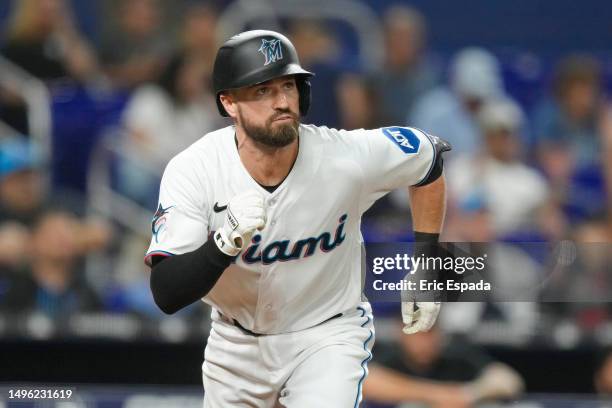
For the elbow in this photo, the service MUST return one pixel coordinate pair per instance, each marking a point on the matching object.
(165, 306)
(161, 293)
(434, 180)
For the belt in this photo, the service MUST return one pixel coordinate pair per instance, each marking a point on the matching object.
(251, 333)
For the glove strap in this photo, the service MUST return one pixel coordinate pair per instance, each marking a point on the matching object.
(225, 244)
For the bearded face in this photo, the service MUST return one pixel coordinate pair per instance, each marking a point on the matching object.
(268, 112)
(279, 130)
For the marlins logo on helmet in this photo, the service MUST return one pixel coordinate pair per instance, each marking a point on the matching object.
(272, 50)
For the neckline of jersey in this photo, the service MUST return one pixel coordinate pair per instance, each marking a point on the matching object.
(289, 175)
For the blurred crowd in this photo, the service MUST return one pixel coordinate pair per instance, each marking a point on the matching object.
(141, 89)
(521, 169)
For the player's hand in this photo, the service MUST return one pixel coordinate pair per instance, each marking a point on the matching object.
(245, 213)
(421, 306)
(419, 316)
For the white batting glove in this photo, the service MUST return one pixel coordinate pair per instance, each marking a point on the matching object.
(245, 213)
(421, 319)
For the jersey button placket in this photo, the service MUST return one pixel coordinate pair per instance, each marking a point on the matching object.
(267, 311)
(263, 309)
(271, 204)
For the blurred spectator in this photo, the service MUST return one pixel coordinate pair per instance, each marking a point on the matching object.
(23, 199)
(52, 282)
(450, 112)
(583, 299)
(314, 41)
(606, 151)
(510, 312)
(603, 374)
(596, 230)
(359, 100)
(360, 107)
(515, 195)
(408, 73)
(162, 119)
(569, 120)
(568, 136)
(198, 33)
(42, 39)
(493, 195)
(135, 50)
(318, 49)
(21, 183)
(21, 194)
(165, 117)
(427, 367)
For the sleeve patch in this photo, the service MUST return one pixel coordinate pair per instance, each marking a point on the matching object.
(158, 223)
(404, 138)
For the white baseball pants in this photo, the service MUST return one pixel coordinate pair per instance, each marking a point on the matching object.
(323, 366)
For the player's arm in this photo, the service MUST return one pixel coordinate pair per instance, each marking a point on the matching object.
(397, 157)
(428, 207)
(178, 281)
(428, 197)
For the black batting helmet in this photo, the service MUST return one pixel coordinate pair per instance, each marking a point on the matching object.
(257, 56)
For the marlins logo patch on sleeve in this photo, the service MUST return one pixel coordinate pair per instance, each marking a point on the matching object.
(404, 138)
(159, 221)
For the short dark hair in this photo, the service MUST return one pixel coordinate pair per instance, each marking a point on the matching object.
(576, 69)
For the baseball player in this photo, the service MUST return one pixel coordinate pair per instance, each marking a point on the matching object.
(261, 220)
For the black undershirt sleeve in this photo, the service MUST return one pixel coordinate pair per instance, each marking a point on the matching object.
(178, 281)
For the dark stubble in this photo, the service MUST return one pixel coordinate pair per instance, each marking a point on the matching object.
(280, 135)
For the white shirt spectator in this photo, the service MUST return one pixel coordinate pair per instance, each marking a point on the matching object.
(167, 128)
(512, 191)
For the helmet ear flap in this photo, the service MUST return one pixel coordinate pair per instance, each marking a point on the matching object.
(303, 85)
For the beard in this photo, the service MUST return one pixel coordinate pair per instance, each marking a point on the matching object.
(279, 135)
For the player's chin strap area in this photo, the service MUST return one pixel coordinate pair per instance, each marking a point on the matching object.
(251, 333)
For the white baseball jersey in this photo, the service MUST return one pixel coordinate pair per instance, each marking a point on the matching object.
(305, 265)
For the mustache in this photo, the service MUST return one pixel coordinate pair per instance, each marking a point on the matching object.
(284, 112)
